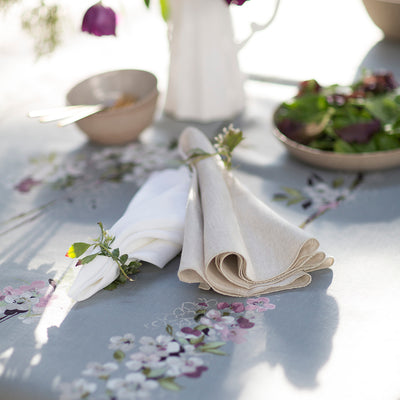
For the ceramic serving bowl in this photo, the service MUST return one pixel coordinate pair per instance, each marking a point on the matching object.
(385, 14)
(374, 161)
(123, 122)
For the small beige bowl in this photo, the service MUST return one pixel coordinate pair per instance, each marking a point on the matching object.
(118, 125)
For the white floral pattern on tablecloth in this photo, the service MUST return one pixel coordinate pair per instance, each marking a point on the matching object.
(82, 172)
(26, 302)
(130, 163)
(141, 366)
(319, 196)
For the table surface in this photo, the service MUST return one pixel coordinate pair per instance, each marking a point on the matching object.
(336, 338)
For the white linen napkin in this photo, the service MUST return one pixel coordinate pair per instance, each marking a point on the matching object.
(233, 242)
(151, 230)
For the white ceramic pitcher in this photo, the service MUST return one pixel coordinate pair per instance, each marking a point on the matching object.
(205, 81)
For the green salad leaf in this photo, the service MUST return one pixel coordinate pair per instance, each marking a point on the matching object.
(364, 117)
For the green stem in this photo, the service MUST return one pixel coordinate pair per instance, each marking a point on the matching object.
(106, 250)
(312, 217)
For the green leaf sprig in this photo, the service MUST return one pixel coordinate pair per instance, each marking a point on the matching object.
(103, 244)
(225, 143)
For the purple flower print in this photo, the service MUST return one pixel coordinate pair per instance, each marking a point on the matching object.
(215, 319)
(191, 332)
(26, 185)
(260, 304)
(227, 327)
(244, 323)
(235, 307)
(222, 306)
(196, 374)
(162, 360)
(25, 301)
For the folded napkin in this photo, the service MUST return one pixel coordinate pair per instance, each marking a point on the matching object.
(151, 230)
(233, 242)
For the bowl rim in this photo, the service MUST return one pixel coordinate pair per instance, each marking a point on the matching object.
(367, 161)
(306, 149)
(137, 104)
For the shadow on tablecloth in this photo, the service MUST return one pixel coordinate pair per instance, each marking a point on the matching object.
(299, 336)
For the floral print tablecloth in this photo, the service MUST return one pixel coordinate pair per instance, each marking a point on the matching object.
(159, 338)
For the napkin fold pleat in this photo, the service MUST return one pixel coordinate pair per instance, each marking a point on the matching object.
(233, 242)
(150, 230)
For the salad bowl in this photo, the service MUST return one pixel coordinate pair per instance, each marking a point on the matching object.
(354, 128)
(372, 161)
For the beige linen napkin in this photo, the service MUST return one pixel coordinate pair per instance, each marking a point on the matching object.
(233, 242)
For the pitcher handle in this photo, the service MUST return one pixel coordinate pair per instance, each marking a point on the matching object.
(259, 27)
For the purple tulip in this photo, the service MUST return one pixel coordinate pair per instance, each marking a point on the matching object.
(99, 20)
(237, 2)
(26, 185)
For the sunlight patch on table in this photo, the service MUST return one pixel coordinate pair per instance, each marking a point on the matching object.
(35, 360)
(4, 357)
(266, 382)
(376, 344)
(57, 309)
(254, 382)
